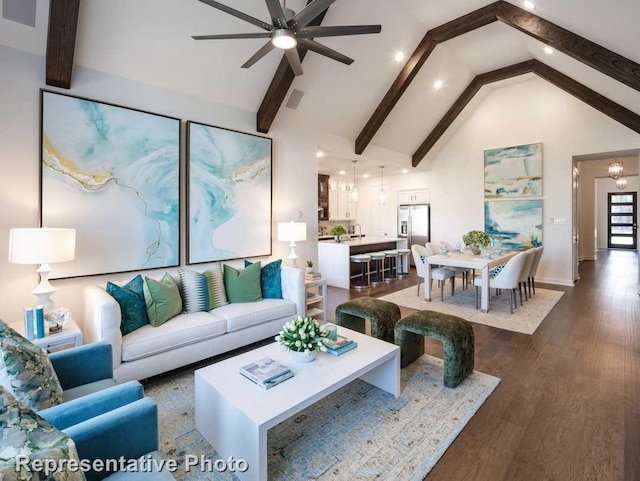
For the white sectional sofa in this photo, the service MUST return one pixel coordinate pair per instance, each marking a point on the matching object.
(188, 338)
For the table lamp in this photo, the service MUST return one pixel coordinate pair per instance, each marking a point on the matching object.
(42, 246)
(292, 232)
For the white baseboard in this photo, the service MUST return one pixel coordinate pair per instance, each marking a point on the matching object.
(551, 280)
(590, 258)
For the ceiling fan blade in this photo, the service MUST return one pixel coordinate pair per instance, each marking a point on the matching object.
(312, 32)
(322, 50)
(277, 13)
(268, 47)
(310, 12)
(238, 14)
(294, 60)
(231, 35)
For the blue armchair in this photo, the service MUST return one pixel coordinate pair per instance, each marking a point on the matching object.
(109, 424)
(84, 370)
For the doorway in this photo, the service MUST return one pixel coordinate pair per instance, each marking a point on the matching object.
(621, 220)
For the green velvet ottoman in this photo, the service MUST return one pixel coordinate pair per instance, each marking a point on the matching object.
(455, 333)
(382, 314)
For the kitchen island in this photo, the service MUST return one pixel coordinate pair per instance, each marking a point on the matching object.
(333, 257)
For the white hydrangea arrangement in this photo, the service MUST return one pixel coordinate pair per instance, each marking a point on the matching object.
(302, 335)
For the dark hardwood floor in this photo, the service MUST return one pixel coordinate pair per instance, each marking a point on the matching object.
(568, 404)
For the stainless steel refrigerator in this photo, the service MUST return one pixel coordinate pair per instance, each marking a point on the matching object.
(414, 224)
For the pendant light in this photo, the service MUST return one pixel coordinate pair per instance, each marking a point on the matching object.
(381, 196)
(615, 169)
(621, 183)
(354, 189)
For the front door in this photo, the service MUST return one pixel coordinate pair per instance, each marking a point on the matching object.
(622, 220)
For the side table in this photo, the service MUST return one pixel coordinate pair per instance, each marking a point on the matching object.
(316, 295)
(70, 336)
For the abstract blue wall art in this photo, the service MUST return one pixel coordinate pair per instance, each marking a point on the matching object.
(514, 224)
(113, 174)
(513, 171)
(228, 194)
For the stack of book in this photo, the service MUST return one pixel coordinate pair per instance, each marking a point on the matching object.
(340, 345)
(312, 276)
(266, 372)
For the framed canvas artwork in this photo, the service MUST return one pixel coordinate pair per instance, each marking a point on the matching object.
(515, 224)
(513, 171)
(113, 174)
(228, 194)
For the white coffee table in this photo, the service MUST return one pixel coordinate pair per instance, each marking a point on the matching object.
(234, 415)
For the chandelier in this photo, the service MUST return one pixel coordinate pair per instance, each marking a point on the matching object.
(621, 183)
(615, 169)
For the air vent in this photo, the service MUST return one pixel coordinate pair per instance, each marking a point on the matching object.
(294, 99)
(21, 11)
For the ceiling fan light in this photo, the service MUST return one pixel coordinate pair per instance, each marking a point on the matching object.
(283, 39)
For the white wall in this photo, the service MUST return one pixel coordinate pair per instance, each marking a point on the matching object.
(522, 113)
(602, 188)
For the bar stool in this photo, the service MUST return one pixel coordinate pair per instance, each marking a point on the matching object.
(377, 261)
(391, 257)
(365, 261)
(403, 262)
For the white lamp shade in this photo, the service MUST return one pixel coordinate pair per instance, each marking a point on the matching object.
(292, 231)
(41, 246)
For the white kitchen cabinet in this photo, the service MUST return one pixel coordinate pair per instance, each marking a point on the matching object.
(340, 205)
(417, 196)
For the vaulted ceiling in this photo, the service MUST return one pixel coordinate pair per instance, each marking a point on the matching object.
(150, 41)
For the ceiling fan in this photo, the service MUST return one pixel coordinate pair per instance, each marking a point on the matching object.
(289, 29)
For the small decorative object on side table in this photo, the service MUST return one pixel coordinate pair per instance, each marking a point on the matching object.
(69, 336)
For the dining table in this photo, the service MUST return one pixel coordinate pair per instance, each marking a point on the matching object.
(466, 259)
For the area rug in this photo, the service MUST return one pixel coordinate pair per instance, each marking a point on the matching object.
(525, 318)
(358, 433)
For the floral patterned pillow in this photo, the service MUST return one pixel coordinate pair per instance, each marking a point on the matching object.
(26, 371)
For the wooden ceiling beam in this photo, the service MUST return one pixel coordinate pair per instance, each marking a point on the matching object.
(603, 60)
(449, 30)
(592, 98)
(279, 86)
(61, 42)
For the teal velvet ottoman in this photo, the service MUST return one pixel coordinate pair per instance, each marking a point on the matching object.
(455, 333)
(382, 314)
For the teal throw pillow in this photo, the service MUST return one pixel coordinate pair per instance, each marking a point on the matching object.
(244, 285)
(132, 306)
(26, 371)
(270, 279)
(162, 299)
(195, 291)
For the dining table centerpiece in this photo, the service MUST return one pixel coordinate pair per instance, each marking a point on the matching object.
(303, 337)
(476, 239)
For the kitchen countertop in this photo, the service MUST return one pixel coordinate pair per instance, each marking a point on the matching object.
(330, 237)
(365, 240)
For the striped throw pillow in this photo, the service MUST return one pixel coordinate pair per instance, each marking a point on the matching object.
(194, 290)
(215, 282)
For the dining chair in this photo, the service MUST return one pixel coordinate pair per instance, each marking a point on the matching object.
(507, 278)
(524, 274)
(534, 269)
(419, 254)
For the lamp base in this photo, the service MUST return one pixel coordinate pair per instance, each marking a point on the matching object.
(292, 254)
(44, 290)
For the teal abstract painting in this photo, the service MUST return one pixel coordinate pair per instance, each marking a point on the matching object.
(514, 224)
(513, 171)
(228, 194)
(113, 174)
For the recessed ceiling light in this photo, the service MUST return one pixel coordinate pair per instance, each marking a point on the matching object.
(342, 172)
(529, 5)
(437, 84)
(548, 50)
(399, 57)
(405, 171)
(366, 176)
(319, 153)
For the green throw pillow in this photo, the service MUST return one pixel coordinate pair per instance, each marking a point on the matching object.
(162, 299)
(26, 371)
(132, 306)
(244, 285)
(270, 279)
